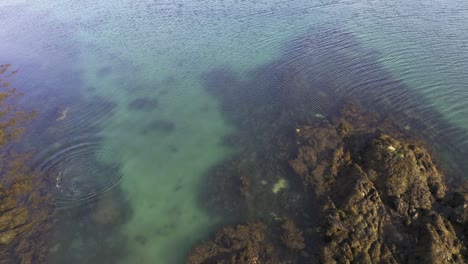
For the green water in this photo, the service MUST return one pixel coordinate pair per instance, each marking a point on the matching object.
(125, 50)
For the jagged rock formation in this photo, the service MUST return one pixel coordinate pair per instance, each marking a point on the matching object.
(382, 209)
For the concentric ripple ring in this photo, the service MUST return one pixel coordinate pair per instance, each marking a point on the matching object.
(79, 173)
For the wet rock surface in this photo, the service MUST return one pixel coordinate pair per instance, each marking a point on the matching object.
(381, 208)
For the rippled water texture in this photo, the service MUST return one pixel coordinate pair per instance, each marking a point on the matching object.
(139, 101)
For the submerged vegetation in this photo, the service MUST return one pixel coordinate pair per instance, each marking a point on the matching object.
(326, 169)
(25, 213)
(64, 172)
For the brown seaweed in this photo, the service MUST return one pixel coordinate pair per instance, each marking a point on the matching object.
(25, 214)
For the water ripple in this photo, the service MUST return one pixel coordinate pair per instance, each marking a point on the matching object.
(78, 172)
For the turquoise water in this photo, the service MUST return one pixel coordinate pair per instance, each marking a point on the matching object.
(124, 103)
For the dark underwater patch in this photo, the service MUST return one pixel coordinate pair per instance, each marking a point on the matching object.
(104, 71)
(143, 104)
(319, 72)
(160, 125)
(171, 80)
(96, 225)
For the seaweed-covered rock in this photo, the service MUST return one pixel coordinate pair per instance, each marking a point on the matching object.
(385, 205)
(374, 198)
(317, 147)
(362, 186)
(292, 236)
(245, 244)
(352, 222)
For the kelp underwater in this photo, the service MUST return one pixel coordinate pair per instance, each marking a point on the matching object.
(85, 189)
(44, 192)
(25, 214)
(337, 161)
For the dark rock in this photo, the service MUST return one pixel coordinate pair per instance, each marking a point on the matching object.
(382, 199)
(379, 191)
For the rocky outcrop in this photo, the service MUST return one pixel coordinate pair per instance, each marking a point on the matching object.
(374, 195)
(385, 200)
(386, 209)
(361, 186)
(245, 244)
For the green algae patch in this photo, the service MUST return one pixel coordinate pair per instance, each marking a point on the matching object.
(279, 185)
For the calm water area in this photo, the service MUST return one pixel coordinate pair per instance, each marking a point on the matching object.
(130, 98)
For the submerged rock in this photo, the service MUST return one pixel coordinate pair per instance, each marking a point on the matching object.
(159, 125)
(292, 236)
(384, 198)
(143, 104)
(108, 211)
(381, 211)
(104, 71)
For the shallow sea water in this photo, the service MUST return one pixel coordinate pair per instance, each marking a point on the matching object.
(130, 127)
